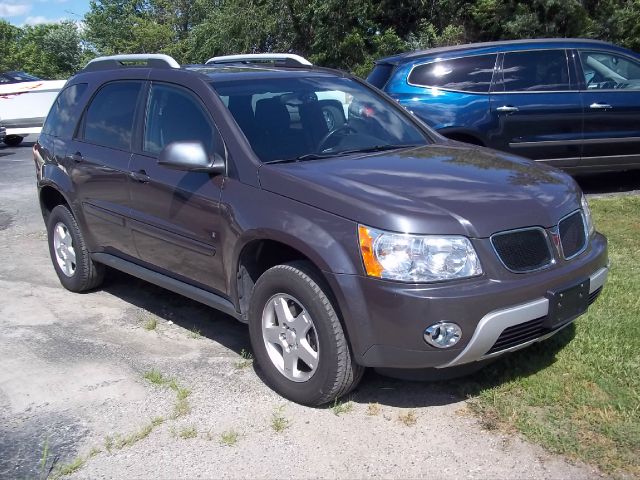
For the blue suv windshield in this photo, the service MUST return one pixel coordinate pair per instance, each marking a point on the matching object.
(315, 117)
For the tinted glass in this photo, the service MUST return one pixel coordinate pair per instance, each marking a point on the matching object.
(380, 74)
(606, 71)
(61, 120)
(109, 118)
(286, 118)
(175, 115)
(541, 70)
(15, 77)
(468, 74)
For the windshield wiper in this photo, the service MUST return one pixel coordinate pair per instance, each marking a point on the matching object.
(317, 156)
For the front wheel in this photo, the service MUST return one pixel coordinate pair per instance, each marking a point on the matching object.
(297, 337)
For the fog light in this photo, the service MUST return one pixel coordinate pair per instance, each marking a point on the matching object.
(443, 334)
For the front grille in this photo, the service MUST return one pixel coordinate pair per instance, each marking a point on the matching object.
(519, 334)
(572, 234)
(522, 250)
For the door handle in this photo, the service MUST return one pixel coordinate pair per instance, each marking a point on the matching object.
(600, 106)
(140, 176)
(76, 157)
(507, 109)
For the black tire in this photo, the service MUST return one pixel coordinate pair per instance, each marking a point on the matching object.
(13, 140)
(88, 274)
(336, 373)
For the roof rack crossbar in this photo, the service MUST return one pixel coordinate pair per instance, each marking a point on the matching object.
(149, 60)
(287, 59)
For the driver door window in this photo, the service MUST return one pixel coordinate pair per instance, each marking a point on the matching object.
(173, 115)
(605, 71)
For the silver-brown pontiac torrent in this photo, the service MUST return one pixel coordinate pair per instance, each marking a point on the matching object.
(314, 208)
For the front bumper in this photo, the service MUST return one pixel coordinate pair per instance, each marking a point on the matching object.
(385, 320)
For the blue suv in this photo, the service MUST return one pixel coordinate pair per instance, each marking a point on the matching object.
(572, 103)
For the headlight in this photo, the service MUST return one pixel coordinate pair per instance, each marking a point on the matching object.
(417, 258)
(587, 215)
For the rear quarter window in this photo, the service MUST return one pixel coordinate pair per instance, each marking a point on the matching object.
(380, 74)
(467, 74)
(62, 118)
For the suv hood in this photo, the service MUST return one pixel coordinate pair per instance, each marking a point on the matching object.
(440, 189)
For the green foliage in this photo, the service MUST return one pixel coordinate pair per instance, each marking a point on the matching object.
(347, 35)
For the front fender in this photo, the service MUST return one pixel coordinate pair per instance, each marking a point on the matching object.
(250, 213)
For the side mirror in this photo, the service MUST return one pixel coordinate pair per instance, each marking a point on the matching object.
(192, 157)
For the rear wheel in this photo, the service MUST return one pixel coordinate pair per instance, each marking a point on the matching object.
(13, 140)
(297, 337)
(69, 254)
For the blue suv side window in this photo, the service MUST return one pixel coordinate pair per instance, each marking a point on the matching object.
(467, 74)
(607, 71)
(536, 71)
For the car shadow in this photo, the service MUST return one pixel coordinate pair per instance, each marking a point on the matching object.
(374, 387)
(615, 182)
(184, 312)
(377, 388)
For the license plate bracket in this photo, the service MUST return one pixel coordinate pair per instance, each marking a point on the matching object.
(567, 304)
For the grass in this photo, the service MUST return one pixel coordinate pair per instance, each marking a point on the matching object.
(581, 396)
(195, 333)
(229, 438)
(150, 324)
(340, 408)
(279, 423)
(182, 406)
(188, 432)
(373, 409)
(119, 442)
(247, 360)
(409, 419)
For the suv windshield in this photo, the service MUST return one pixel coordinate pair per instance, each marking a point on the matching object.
(303, 118)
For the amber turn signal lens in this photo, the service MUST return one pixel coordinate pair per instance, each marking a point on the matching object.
(371, 265)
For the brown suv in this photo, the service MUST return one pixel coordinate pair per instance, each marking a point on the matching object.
(364, 241)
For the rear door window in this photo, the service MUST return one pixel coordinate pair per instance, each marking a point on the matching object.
(603, 70)
(467, 74)
(109, 119)
(63, 116)
(536, 71)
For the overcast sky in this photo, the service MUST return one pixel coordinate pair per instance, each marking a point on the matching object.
(21, 12)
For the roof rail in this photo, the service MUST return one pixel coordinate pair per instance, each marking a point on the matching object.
(155, 60)
(286, 59)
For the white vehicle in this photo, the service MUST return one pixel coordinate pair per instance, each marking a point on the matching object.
(332, 114)
(24, 106)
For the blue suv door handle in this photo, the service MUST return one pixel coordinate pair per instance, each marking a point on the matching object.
(600, 106)
(507, 109)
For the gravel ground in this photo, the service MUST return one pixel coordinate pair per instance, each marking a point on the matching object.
(72, 383)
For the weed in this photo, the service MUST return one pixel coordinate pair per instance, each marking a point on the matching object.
(409, 418)
(188, 432)
(150, 324)
(181, 408)
(229, 438)
(247, 359)
(373, 409)
(278, 422)
(341, 407)
(70, 468)
(155, 377)
(195, 333)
